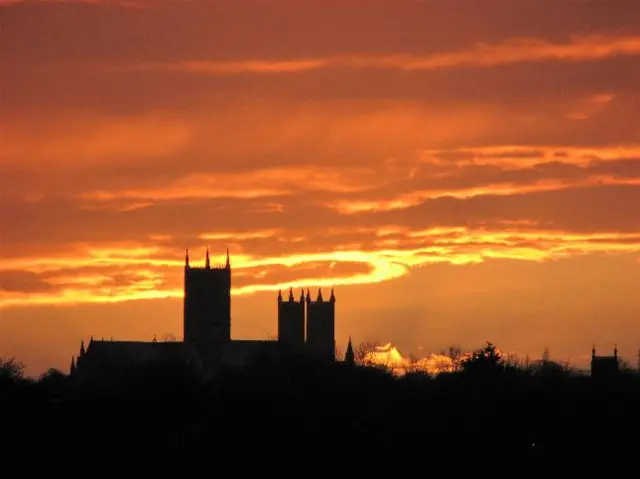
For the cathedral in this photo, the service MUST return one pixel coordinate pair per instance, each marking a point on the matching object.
(305, 326)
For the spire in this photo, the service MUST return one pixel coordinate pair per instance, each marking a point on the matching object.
(319, 300)
(308, 296)
(349, 357)
(279, 295)
(73, 365)
(333, 296)
(207, 263)
(82, 350)
(228, 263)
(302, 295)
(593, 351)
(290, 295)
(186, 258)
(615, 350)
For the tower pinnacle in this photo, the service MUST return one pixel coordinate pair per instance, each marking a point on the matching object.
(228, 263)
(207, 264)
(349, 357)
(186, 258)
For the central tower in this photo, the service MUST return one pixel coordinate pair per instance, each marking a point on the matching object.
(207, 306)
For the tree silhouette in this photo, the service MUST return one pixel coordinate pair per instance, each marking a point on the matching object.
(11, 369)
(486, 359)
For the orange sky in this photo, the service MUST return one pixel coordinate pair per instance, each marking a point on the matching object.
(459, 170)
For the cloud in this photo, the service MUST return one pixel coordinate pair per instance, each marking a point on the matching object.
(123, 272)
(516, 50)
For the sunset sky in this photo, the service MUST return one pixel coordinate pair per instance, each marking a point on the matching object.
(459, 170)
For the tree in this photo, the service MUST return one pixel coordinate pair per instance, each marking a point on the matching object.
(487, 359)
(364, 351)
(456, 355)
(545, 355)
(11, 369)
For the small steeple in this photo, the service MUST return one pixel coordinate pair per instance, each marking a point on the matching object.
(593, 351)
(82, 350)
(308, 296)
(615, 350)
(349, 356)
(319, 300)
(302, 295)
(279, 296)
(186, 258)
(228, 263)
(291, 295)
(333, 296)
(73, 365)
(207, 263)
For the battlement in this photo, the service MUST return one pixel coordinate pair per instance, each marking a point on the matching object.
(207, 263)
(319, 298)
(209, 268)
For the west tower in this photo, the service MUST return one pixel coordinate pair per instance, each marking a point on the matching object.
(207, 307)
(321, 319)
(291, 321)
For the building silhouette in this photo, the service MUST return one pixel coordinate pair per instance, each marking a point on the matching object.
(305, 327)
(604, 367)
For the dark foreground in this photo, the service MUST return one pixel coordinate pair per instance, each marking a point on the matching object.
(313, 420)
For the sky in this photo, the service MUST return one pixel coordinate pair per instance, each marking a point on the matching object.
(458, 170)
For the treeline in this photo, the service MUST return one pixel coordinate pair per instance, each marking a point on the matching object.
(490, 416)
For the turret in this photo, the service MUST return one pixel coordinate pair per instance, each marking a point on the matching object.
(207, 310)
(291, 322)
(349, 356)
(321, 327)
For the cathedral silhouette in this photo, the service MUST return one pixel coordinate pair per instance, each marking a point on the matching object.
(305, 327)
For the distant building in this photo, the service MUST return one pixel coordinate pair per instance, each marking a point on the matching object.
(207, 345)
(604, 367)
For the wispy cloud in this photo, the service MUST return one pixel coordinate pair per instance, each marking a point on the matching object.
(510, 51)
(120, 273)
